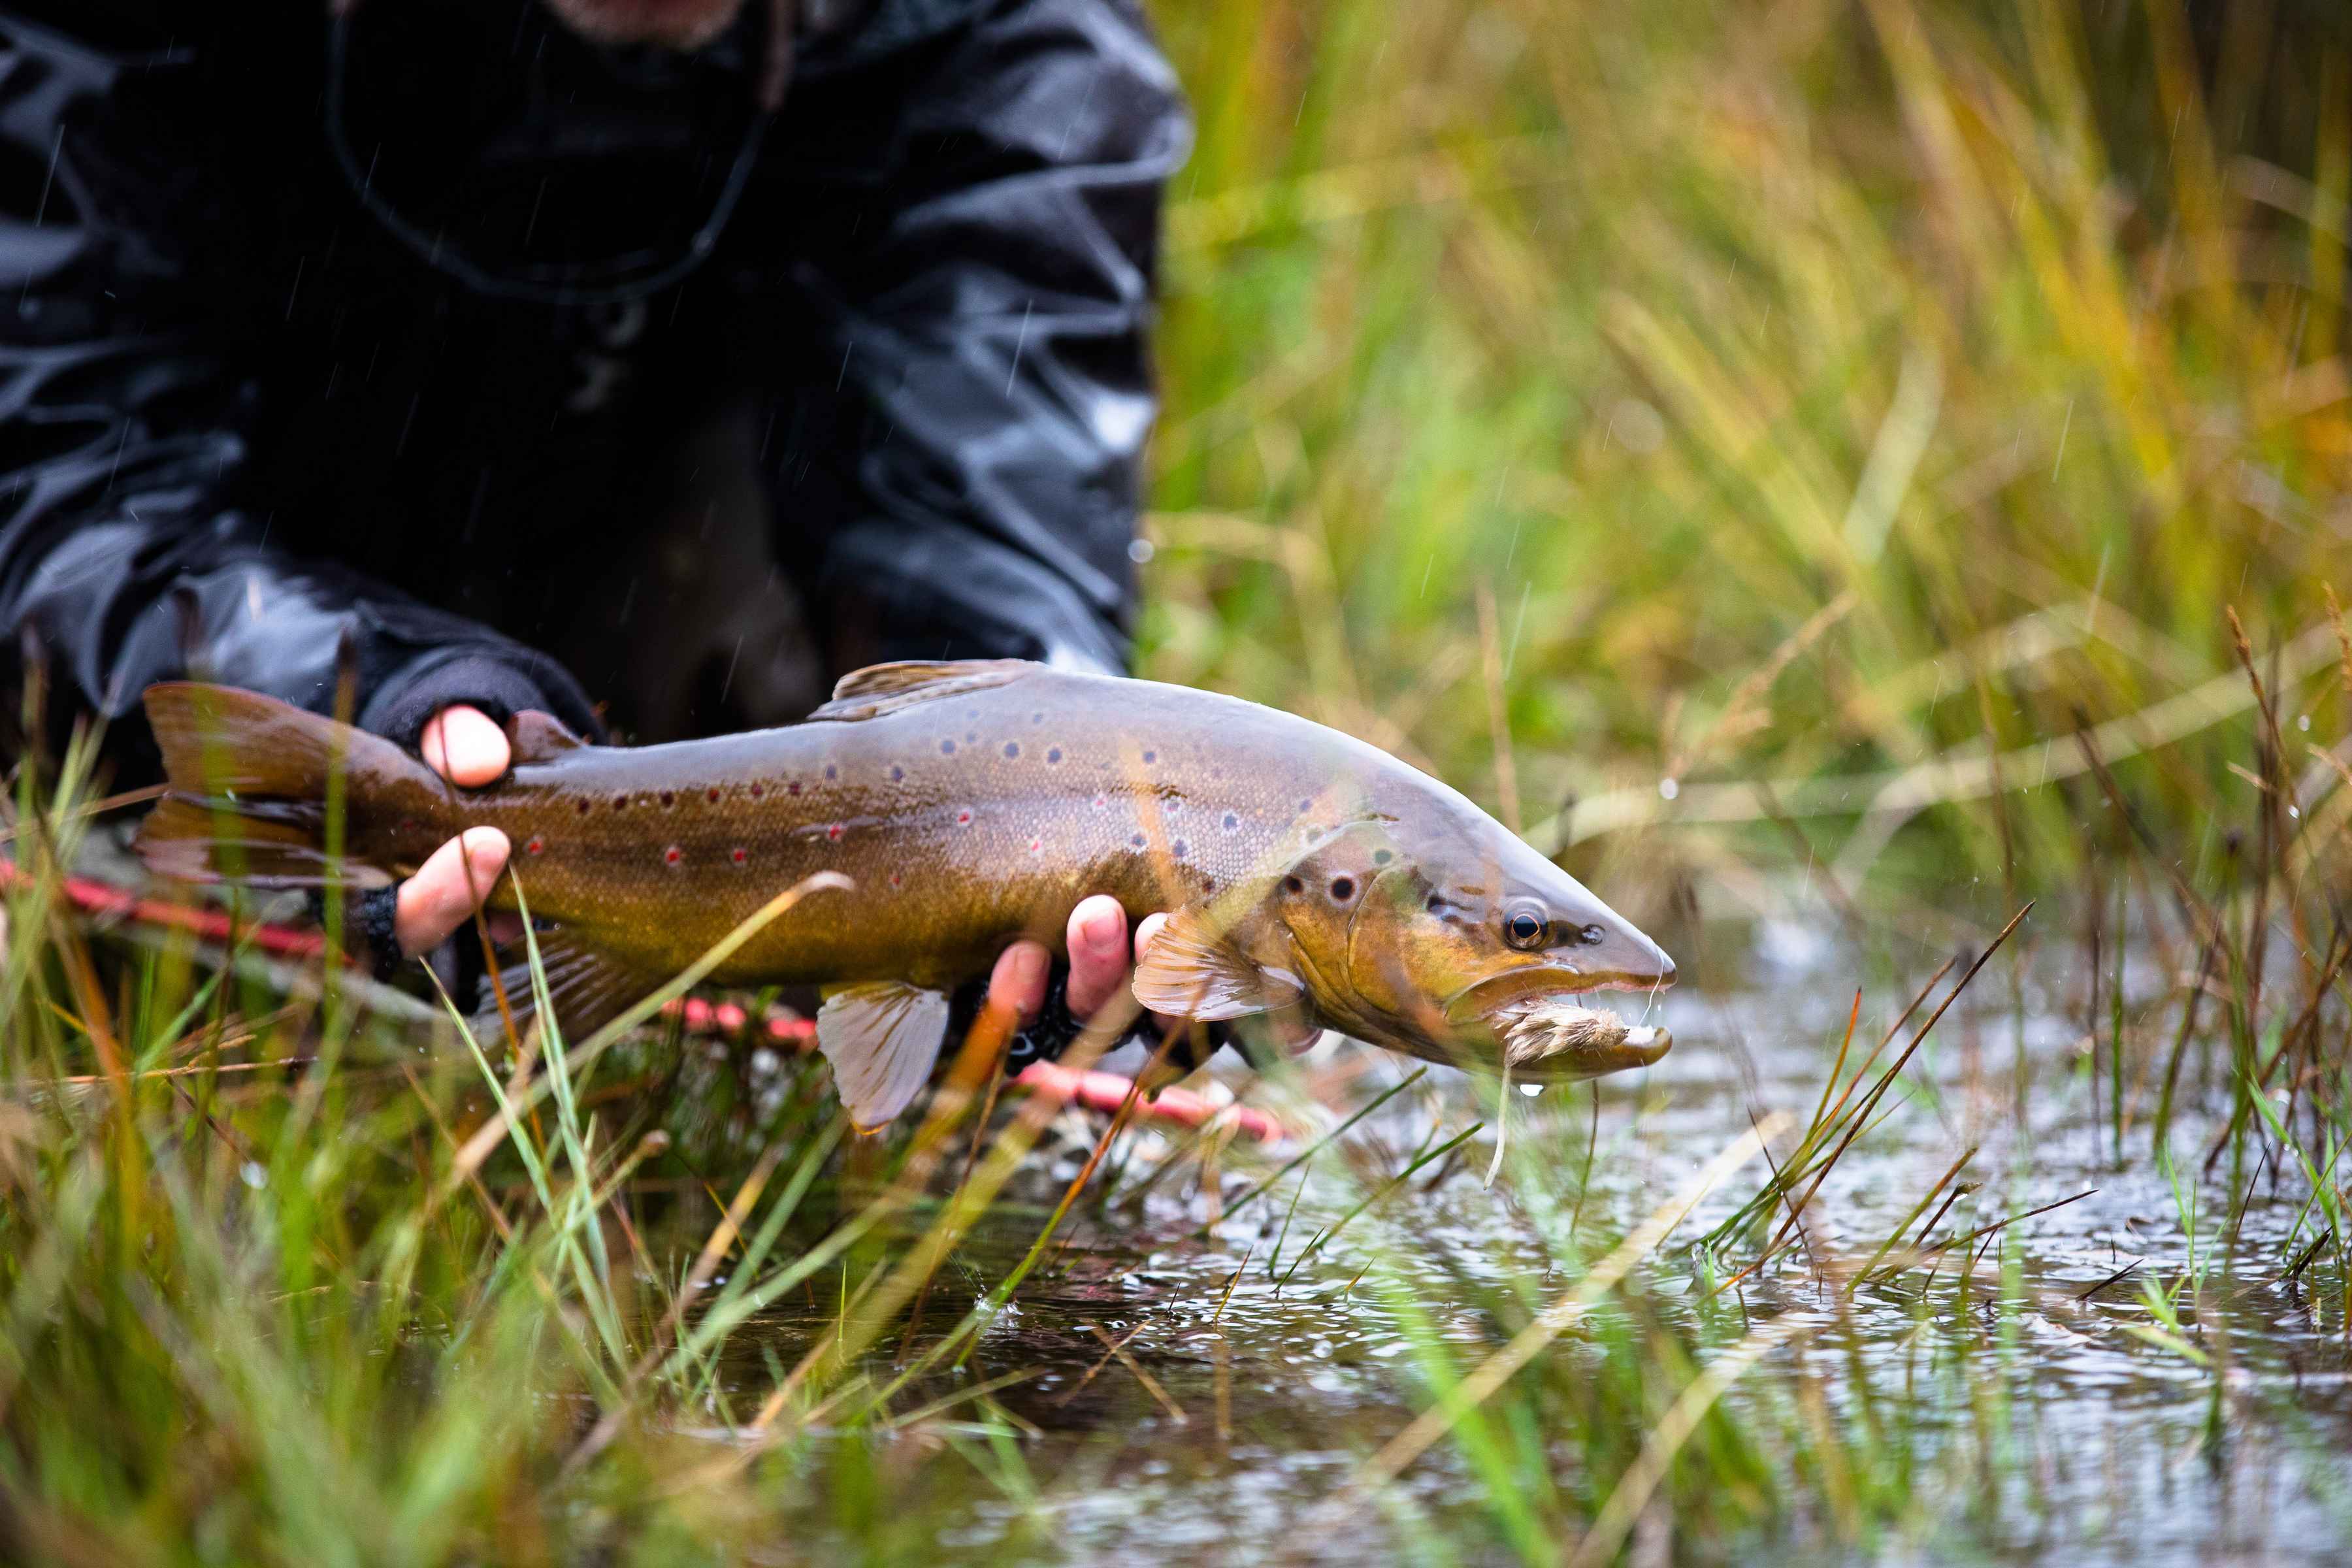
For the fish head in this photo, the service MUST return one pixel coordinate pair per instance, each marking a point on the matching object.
(1469, 949)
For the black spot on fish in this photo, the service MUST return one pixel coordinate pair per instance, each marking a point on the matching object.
(1039, 716)
(1293, 885)
(1343, 889)
(1172, 805)
(1052, 756)
(758, 790)
(1011, 748)
(1138, 841)
(1180, 847)
(897, 773)
(972, 737)
(1232, 822)
(668, 799)
(947, 748)
(620, 803)
(1382, 856)
(1150, 756)
(1305, 806)
(832, 771)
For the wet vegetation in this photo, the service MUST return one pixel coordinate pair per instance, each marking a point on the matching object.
(1863, 483)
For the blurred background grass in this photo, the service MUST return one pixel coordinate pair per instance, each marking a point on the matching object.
(1725, 393)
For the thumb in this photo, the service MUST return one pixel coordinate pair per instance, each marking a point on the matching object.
(448, 888)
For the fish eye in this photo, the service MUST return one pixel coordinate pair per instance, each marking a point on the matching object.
(1525, 927)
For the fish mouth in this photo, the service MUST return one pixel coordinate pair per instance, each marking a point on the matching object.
(1548, 1038)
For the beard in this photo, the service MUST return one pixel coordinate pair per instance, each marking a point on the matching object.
(675, 24)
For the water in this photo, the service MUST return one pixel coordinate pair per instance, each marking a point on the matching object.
(2030, 1414)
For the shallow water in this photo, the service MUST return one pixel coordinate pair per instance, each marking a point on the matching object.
(2032, 1424)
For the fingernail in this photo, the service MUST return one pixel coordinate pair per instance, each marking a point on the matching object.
(1029, 967)
(1101, 929)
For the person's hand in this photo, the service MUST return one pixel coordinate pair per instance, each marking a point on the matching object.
(462, 745)
(1100, 957)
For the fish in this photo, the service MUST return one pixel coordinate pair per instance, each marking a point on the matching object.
(1311, 879)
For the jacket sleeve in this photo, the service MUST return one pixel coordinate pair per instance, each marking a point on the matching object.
(988, 300)
(123, 559)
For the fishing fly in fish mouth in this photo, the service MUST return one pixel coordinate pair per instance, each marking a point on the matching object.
(1307, 879)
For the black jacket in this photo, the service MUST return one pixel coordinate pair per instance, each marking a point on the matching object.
(377, 354)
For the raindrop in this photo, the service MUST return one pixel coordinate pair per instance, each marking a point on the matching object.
(1668, 789)
(1531, 1089)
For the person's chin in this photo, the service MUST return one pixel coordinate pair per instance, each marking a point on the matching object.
(677, 24)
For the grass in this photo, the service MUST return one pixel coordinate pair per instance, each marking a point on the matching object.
(1847, 468)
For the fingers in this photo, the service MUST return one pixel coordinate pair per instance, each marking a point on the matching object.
(434, 902)
(1145, 930)
(1018, 981)
(462, 745)
(1097, 943)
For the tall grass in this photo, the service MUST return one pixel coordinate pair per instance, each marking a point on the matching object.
(1846, 399)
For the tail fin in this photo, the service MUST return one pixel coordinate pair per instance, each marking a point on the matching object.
(248, 777)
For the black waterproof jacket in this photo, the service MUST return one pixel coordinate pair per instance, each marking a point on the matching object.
(486, 355)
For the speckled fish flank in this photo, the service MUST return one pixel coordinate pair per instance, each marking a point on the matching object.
(969, 804)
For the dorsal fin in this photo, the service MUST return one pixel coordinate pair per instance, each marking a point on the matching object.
(886, 688)
(537, 736)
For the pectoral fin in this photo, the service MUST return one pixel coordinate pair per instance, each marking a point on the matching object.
(882, 1037)
(1191, 970)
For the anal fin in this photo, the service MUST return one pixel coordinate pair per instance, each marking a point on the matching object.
(586, 989)
(883, 1038)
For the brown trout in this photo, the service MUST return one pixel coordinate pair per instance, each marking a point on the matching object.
(1309, 876)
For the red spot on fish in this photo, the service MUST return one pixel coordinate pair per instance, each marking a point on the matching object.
(964, 818)
(896, 879)
(729, 1017)
(583, 804)
(673, 856)
(533, 844)
(620, 803)
(834, 832)
(758, 790)
(794, 787)
(714, 792)
(1035, 845)
(739, 855)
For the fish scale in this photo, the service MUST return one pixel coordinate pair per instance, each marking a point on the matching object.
(968, 805)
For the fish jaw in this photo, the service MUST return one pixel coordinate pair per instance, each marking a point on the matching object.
(1551, 1039)
(1529, 1019)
